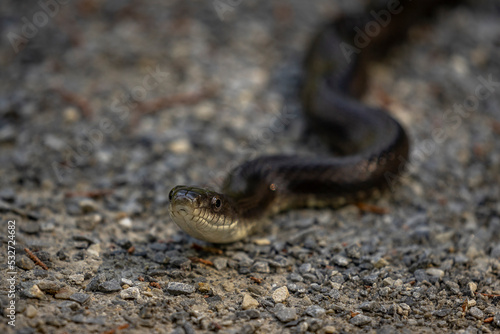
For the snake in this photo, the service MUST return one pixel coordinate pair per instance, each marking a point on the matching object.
(369, 147)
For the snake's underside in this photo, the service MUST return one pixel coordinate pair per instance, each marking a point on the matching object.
(371, 146)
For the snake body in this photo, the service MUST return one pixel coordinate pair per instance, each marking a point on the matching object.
(371, 146)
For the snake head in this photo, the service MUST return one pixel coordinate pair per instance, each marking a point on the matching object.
(204, 214)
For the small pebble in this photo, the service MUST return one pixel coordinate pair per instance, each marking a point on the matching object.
(262, 242)
(353, 251)
(181, 145)
(126, 281)
(228, 286)
(125, 222)
(204, 287)
(496, 320)
(220, 263)
(89, 223)
(305, 268)
(130, 293)
(23, 262)
(64, 293)
(30, 227)
(280, 294)
(260, 267)
(71, 114)
(34, 292)
(79, 297)
(243, 259)
(31, 311)
(369, 306)
(315, 311)
(76, 279)
(285, 314)
(388, 281)
(403, 309)
(420, 275)
(87, 205)
(340, 260)
(360, 320)
(370, 279)
(381, 263)
(94, 250)
(435, 272)
(109, 286)
(476, 313)
(178, 288)
(472, 287)
(330, 330)
(249, 302)
(69, 304)
(442, 312)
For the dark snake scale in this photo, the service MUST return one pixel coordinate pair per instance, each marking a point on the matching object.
(371, 146)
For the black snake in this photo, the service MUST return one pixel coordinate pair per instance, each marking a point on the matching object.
(371, 146)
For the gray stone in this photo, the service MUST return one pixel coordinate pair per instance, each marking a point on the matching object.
(315, 311)
(95, 282)
(23, 262)
(370, 279)
(495, 252)
(260, 267)
(220, 263)
(50, 286)
(86, 238)
(305, 268)
(285, 314)
(496, 320)
(442, 312)
(353, 251)
(252, 314)
(130, 293)
(340, 260)
(360, 320)
(8, 194)
(476, 313)
(89, 223)
(294, 277)
(64, 293)
(453, 287)
(110, 286)
(30, 227)
(69, 304)
(33, 291)
(79, 297)
(335, 294)
(178, 288)
(243, 259)
(127, 281)
(87, 205)
(420, 275)
(435, 272)
(370, 306)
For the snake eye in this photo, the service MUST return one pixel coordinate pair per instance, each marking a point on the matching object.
(171, 194)
(216, 203)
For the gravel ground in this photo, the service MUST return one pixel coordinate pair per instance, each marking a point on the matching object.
(105, 106)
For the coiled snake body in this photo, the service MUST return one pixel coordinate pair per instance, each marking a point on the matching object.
(372, 145)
